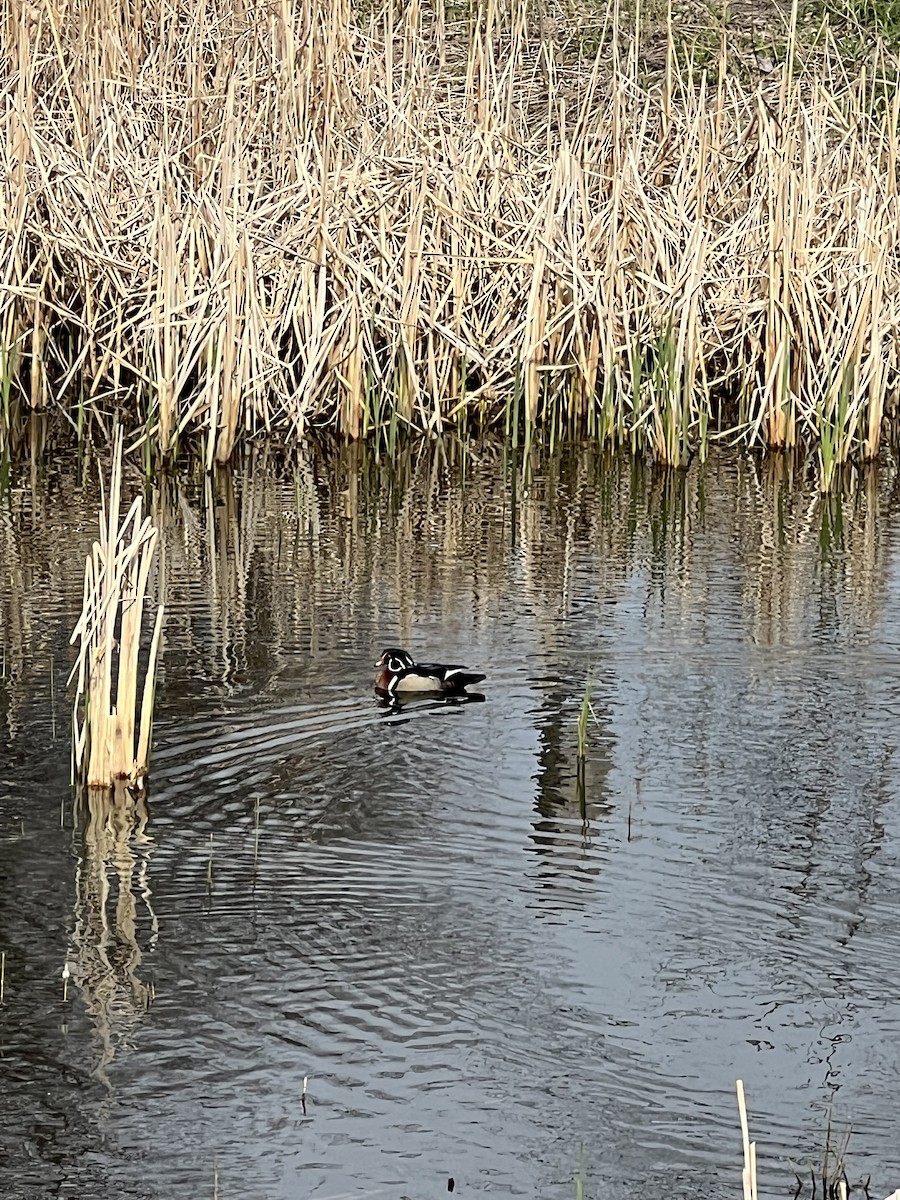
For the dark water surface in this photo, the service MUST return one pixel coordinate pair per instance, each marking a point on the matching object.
(478, 974)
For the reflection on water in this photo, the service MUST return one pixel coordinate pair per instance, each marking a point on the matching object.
(488, 963)
(111, 882)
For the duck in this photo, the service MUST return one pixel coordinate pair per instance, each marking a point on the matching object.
(400, 674)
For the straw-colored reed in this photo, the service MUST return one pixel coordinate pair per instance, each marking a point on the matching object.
(224, 219)
(748, 1175)
(110, 735)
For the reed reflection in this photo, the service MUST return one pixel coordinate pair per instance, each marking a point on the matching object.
(301, 544)
(572, 803)
(295, 558)
(114, 920)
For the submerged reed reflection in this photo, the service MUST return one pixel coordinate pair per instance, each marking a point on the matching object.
(573, 800)
(286, 540)
(112, 884)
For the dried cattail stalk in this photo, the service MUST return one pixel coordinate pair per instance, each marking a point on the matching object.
(110, 733)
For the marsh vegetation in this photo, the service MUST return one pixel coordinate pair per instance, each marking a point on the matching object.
(222, 222)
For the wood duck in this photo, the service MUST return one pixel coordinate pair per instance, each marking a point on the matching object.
(400, 674)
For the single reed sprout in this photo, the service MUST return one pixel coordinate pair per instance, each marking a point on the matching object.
(110, 733)
(748, 1175)
(584, 714)
(579, 1178)
(52, 701)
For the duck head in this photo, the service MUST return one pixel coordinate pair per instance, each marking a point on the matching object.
(395, 661)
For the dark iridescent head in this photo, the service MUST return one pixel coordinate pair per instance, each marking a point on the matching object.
(396, 661)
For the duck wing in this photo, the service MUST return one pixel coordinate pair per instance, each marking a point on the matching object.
(453, 675)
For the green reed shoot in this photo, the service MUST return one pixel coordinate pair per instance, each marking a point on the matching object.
(584, 715)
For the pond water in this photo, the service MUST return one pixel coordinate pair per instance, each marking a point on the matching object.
(475, 970)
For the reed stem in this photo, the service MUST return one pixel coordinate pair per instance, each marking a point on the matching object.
(110, 732)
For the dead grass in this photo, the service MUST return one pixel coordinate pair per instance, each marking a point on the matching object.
(110, 725)
(224, 221)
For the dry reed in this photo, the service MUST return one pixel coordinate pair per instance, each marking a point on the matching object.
(116, 573)
(748, 1175)
(226, 219)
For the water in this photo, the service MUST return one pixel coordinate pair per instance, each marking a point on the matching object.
(475, 973)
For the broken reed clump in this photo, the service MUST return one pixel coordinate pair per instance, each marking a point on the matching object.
(111, 722)
(394, 221)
